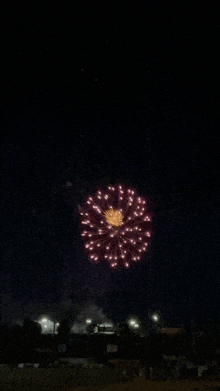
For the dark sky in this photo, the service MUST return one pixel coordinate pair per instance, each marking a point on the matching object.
(98, 95)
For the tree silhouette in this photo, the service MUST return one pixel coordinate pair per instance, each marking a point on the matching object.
(64, 330)
(31, 329)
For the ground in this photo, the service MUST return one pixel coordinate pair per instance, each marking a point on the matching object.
(141, 384)
(81, 379)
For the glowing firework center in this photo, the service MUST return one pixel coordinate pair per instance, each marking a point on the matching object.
(115, 226)
(113, 217)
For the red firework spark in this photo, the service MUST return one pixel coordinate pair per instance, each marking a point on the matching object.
(115, 226)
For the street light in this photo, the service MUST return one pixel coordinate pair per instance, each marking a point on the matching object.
(48, 325)
(133, 323)
(44, 320)
(88, 321)
(155, 317)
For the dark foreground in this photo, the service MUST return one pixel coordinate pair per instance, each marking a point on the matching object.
(108, 379)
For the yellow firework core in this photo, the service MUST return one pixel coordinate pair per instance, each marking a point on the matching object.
(113, 217)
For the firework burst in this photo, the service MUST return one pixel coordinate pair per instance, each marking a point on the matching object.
(115, 226)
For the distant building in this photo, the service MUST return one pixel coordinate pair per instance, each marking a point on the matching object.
(105, 328)
(171, 331)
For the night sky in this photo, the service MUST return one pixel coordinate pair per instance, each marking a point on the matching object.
(98, 95)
